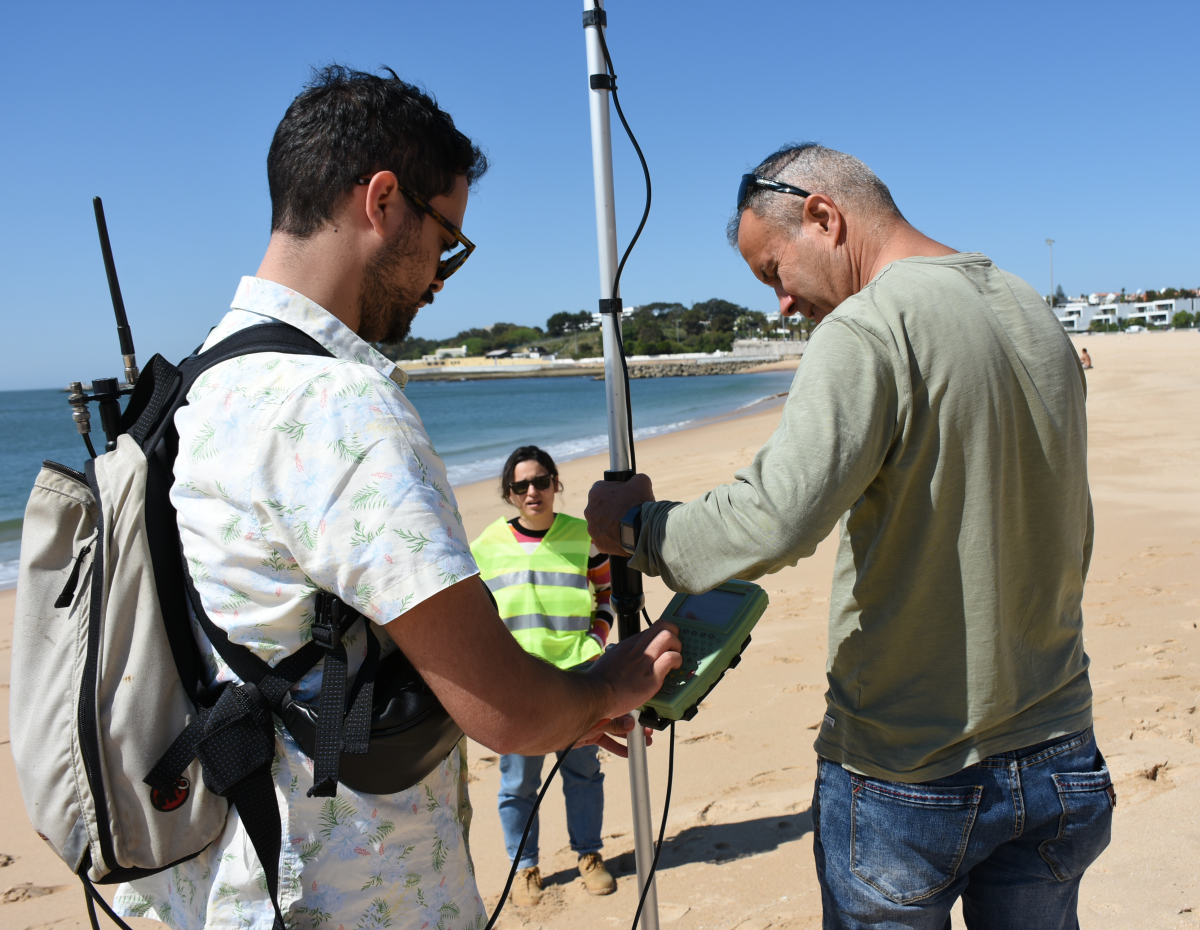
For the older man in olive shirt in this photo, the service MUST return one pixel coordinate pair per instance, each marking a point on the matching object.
(939, 414)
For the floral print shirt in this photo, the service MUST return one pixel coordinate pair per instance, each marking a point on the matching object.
(297, 474)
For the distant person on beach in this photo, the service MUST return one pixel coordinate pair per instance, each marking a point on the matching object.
(298, 474)
(1085, 359)
(938, 416)
(552, 587)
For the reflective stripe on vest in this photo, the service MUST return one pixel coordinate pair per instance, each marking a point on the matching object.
(553, 579)
(543, 597)
(541, 621)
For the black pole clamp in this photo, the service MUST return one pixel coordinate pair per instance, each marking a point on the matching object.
(602, 81)
(594, 18)
(610, 305)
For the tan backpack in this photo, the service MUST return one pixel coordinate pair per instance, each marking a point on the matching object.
(126, 761)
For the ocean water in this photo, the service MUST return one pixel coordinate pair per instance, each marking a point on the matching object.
(473, 424)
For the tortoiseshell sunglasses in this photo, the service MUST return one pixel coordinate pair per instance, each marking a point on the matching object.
(447, 266)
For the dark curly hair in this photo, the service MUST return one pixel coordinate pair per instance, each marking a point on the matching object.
(346, 124)
(527, 454)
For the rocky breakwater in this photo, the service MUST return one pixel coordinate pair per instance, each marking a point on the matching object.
(691, 367)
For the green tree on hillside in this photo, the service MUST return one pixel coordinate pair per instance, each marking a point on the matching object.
(658, 328)
(1171, 293)
(560, 324)
(477, 340)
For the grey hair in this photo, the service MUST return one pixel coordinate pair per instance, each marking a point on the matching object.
(852, 186)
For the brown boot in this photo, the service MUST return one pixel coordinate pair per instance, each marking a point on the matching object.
(527, 887)
(595, 876)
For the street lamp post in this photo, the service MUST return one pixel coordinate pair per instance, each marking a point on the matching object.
(1050, 242)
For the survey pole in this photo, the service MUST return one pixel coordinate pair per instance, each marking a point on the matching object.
(606, 240)
(627, 590)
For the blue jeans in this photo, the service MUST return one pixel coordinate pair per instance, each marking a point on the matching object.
(1011, 835)
(583, 787)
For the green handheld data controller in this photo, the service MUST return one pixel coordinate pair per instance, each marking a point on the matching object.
(714, 628)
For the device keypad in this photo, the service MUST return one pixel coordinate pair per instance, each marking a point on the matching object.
(697, 646)
(704, 653)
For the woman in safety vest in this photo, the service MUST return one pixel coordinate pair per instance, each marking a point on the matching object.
(552, 589)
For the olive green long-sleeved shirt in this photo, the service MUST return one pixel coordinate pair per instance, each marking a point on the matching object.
(939, 414)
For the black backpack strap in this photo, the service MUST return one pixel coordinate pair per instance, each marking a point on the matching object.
(235, 737)
(162, 387)
(235, 742)
(344, 724)
(149, 419)
(90, 894)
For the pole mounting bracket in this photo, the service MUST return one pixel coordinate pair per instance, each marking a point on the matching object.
(610, 305)
(594, 18)
(602, 81)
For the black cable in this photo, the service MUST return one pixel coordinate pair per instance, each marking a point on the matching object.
(662, 826)
(512, 872)
(637, 148)
(662, 829)
(632, 242)
(92, 452)
(90, 894)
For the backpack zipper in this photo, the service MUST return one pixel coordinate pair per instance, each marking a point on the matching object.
(68, 591)
(88, 728)
(66, 471)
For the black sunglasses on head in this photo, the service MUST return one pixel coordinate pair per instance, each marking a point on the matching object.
(753, 182)
(541, 482)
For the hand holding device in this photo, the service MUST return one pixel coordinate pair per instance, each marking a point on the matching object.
(608, 502)
(636, 667)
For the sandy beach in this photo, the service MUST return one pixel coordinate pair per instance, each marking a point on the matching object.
(738, 852)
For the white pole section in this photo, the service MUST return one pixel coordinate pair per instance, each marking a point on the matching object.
(618, 428)
(606, 241)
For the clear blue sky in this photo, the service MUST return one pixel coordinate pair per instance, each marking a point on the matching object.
(995, 125)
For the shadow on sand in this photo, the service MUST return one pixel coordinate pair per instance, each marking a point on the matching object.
(718, 842)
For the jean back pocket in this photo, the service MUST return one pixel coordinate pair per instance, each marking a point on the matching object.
(1085, 826)
(907, 841)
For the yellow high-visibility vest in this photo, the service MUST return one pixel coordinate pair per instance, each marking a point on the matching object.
(545, 598)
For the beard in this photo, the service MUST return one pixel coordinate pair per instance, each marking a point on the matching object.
(387, 307)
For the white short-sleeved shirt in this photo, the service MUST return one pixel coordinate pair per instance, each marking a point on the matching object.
(297, 474)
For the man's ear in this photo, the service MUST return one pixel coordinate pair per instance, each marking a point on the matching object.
(823, 219)
(385, 204)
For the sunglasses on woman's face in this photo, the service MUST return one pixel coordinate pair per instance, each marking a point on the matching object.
(541, 482)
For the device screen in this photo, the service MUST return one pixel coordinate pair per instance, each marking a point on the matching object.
(715, 608)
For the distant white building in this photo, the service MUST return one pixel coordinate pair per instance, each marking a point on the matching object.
(780, 325)
(1161, 312)
(1108, 314)
(440, 355)
(1077, 316)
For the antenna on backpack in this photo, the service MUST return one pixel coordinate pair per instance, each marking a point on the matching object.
(106, 392)
(114, 288)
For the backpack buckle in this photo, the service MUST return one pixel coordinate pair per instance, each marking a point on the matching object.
(327, 621)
